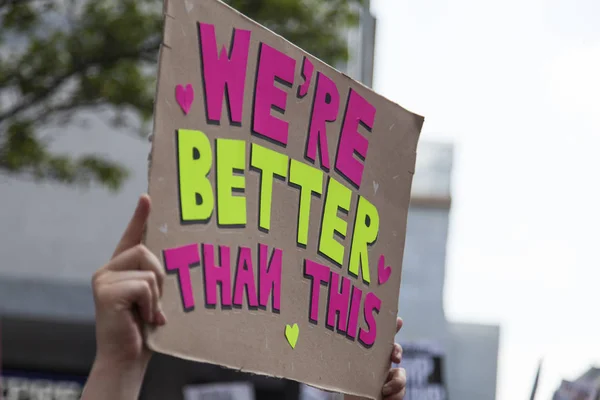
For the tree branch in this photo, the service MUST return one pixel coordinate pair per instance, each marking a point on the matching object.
(142, 54)
(6, 3)
(39, 97)
(66, 107)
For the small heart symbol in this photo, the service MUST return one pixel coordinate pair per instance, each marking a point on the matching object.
(291, 334)
(164, 229)
(185, 97)
(383, 271)
(188, 5)
(375, 187)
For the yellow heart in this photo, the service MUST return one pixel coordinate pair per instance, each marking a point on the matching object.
(291, 334)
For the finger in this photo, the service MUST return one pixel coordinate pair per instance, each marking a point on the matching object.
(147, 276)
(395, 383)
(126, 294)
(137, 258)
(397, 396)
(399, 324)
(397, 354)
(135, 230)
(140, 294)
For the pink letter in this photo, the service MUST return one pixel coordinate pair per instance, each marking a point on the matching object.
(215, 275)
(372, 304)
(319, 275)
(245, 279)
(272, 66)
(180, 259)
(307, 73)
(270, 277)
(358, 112)
(221, 71)
(354, 310)
(338, 302)
(325, 109)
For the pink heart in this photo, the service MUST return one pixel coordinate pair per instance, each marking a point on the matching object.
(383, 271)
(185, 97)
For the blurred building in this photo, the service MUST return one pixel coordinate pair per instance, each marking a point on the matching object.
(466, 353)
(361, 47)
(586, 387)
(54, 237)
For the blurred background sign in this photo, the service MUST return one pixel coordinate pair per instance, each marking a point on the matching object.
(310, 393)
(19, 385)
(424, 364)
(224, 391)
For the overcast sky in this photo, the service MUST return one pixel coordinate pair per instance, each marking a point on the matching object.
(515, 85)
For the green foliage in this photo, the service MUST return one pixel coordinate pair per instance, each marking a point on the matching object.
(58, 57)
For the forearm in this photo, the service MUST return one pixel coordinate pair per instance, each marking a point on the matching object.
(112, 381)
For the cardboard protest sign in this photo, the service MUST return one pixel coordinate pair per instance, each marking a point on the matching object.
(280, 192)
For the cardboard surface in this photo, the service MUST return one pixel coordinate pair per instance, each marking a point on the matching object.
(294, 181)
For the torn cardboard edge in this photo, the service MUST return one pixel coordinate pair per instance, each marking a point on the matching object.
(329, 389)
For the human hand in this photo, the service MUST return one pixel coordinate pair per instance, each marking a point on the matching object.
(127, 291)
(395, 385)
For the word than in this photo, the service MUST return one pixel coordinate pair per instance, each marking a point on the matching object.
(218, 274)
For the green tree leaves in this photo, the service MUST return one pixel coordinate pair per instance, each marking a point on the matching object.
(58, 57)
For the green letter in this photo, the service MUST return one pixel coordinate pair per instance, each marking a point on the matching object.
(338, 197)
(309, 180)
(366, 229)
(231, 158)
(270, 163)
(194, 161)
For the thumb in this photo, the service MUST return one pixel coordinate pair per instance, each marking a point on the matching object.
(399, 323)
(135, 230)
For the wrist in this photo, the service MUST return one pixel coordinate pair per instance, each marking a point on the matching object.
(107, 363)
(117, 379)
(118, 370)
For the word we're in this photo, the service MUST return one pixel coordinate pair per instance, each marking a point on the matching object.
(225, 75)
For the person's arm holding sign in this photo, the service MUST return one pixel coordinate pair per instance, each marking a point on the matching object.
(127, 295)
